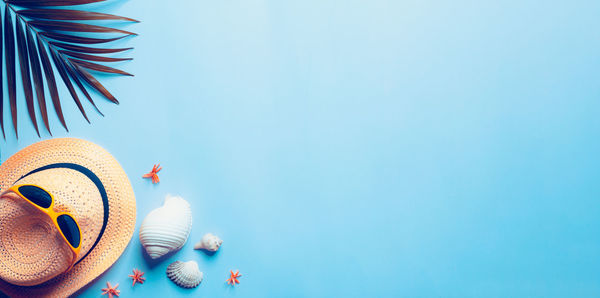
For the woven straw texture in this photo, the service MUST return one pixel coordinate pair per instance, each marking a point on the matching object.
(22, 225)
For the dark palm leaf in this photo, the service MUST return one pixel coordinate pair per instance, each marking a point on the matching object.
(93, 57)
(99, 67)
(47, 35)
(38, 80)
(68, 14)
(33, 3)
(82, 49)
(61, 67)
(9, 44)
(1, 86)
(51, 82)
(73, 74)
(25, 76)
(75, 27)
(78, 39)
(94, 83)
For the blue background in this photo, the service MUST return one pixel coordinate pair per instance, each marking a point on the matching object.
(400, 148)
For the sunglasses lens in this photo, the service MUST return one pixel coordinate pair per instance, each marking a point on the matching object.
(36, 195)
(69, 229)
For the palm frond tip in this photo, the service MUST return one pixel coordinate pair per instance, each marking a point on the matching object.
(47, 35)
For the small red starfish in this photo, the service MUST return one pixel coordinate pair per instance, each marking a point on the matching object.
(233, 279)
(110, 290)
(137, 277)
(154, 173)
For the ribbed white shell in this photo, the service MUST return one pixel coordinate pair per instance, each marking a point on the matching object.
(166, 228)
(209, 242)
(185, 274)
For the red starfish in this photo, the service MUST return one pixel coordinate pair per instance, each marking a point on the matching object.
(153, 173)
(110, 290)
(234, 278)
(137, 277)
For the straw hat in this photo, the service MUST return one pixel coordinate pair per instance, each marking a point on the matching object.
(87, 182)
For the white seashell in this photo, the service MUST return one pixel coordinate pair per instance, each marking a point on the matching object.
(166, 229)
(209, 242)
(185, 274)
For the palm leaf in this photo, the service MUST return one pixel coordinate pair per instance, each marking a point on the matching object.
(83, 49)
(51, 82)
(75, 27)
(42, 35)
(78, 39)
(1, 85)
(25, 75)
(86, 76)
(69, 14)
(9, 44)
(99, 67)
(93, 57)
(33, 3)
(73, 73)
(61, 67)
(38, 80)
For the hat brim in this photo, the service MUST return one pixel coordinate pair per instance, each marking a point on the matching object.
(121, 211)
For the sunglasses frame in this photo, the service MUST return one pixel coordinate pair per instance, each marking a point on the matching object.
(53, 216)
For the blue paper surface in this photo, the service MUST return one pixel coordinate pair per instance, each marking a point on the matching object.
(360, 148)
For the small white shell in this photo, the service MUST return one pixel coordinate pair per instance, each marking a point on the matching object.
(166, 228)
(185, 274)
(209, 242)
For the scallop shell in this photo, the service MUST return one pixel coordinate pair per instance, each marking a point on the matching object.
(166, 229)
(209, 242)
(185, 274)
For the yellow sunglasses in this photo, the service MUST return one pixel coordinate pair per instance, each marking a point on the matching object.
(64, 221)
